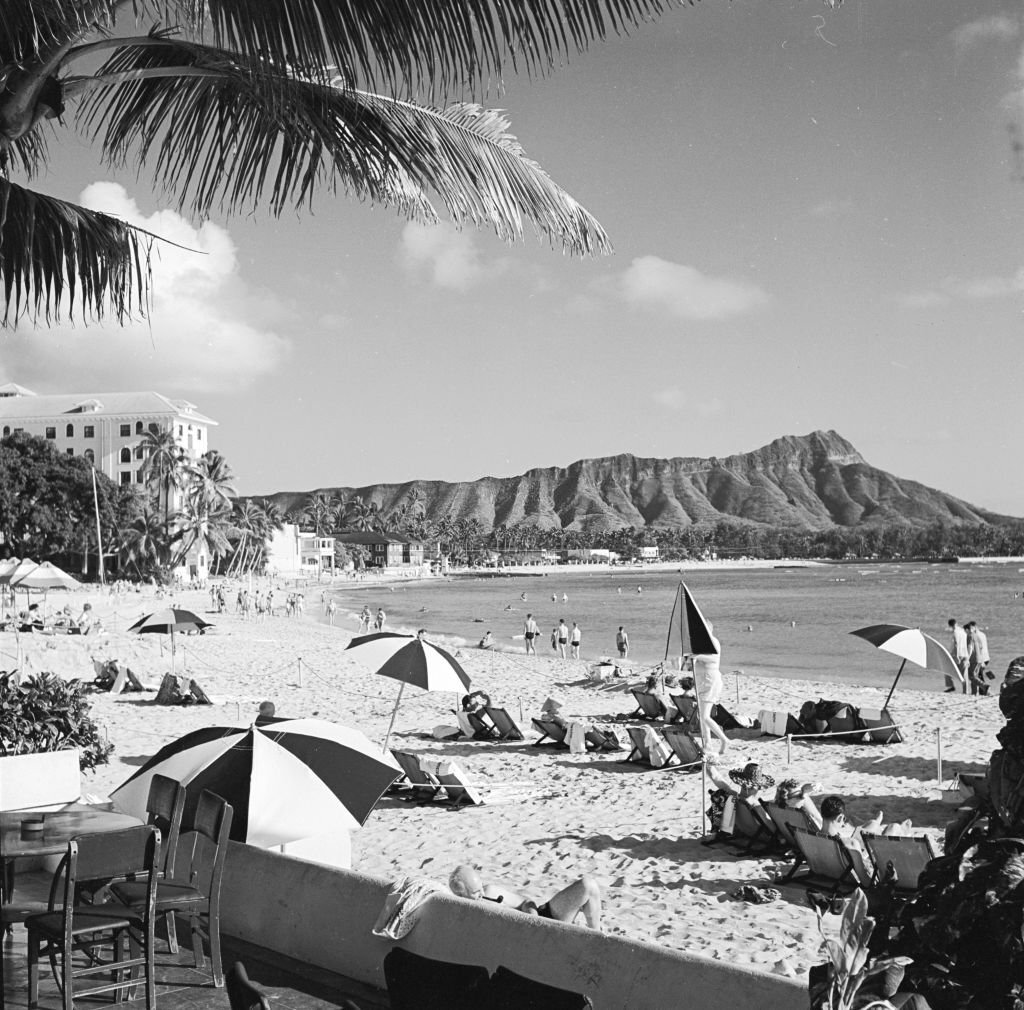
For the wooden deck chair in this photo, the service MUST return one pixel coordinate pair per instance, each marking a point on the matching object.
(549, 731)
(641, 752)
(650, 706)
(504, 724)
(753, 826)
(863, 865)
(686, 712)
(685, 746)
(786, 820)
(424, 787)
(459, 789)
(908, 855)
(827, 862)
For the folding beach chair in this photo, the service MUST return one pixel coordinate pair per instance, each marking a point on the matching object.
(462, 792)
(504, 724)
(686, 712)
(650, 706)
(424, 787)
(641, 752)
(752, 826)
(786, 820)
(549, 731)
(685, 746)
(827, 862)
(863, 865)
(908, 856)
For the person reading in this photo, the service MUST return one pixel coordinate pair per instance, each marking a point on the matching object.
(581, 896)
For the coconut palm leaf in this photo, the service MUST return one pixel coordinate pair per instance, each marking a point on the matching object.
(54, 255)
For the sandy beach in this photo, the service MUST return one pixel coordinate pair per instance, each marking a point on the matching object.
(637, 831)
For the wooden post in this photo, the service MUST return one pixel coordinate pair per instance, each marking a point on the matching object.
(938, 754)
(737, 692)
(300, 671)
(789, 749)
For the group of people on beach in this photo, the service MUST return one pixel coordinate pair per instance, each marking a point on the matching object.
(369, 622)
(969, 649)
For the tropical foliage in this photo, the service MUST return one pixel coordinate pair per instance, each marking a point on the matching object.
(233, 105)
(47, 509)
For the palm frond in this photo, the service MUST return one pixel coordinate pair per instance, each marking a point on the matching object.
(221, 130)
(415, 47)
(55, 255)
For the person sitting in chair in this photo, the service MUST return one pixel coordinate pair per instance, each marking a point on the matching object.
(834, 822)
(582, 895)
(596, 739)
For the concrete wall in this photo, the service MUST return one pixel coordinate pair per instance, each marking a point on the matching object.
(323, 916)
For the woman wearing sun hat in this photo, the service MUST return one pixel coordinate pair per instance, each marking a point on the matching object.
(744, 786)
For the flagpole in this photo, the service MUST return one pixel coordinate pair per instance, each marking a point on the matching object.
(99, 537)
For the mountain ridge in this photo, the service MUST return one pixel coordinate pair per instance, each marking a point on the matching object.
(806, 482)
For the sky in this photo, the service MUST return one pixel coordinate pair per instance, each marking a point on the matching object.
(818, 221)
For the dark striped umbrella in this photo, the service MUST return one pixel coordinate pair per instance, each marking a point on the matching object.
(294, 779)
(910, 644)
(167, 622)
(410, 660)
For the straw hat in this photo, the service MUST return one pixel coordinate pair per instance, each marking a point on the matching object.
(752, 776)
(551, 705)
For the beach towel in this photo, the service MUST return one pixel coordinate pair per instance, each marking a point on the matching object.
(401, 907)
(576, 737)
(657, 748)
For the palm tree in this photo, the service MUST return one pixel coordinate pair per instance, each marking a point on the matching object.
(210, 480)
(319, 513)
(163, 469)
(235, 105)
(143, 544)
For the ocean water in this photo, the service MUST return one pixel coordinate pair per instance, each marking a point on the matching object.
(781, 622)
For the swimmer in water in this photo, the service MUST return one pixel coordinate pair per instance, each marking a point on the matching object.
(639, 589)
(522, 596)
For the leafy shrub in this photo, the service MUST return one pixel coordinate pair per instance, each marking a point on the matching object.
(46, 713)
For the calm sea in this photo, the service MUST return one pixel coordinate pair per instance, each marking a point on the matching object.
(783, 622)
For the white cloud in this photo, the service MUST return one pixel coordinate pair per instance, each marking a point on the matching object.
(449, 257)
(971, 289)
(685, 292)
(674, 398)
(997, 27)
(208, 330)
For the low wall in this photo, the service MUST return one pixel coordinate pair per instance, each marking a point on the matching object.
(323, 916)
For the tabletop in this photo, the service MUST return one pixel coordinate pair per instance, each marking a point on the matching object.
(59, 827)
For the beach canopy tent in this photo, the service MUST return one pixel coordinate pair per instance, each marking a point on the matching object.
(911, 645)
(288, 781)
(7, 569)
(409, 659)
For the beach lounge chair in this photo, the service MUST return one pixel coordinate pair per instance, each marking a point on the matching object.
(786, 820)
(459, 789)
(650, 705)
(549, 731)
(753, 826)
(685, 746)
(880, 725)
(687, 715)
(908, 856)
(642, 751)
(828, 863)
(863, 865)
(504, 724)
(424, 787)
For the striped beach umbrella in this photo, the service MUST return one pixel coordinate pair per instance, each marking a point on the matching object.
(409, 659)
(911, 645)
(293, 779)
(167, 622)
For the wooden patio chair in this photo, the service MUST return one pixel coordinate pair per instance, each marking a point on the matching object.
(650, 705)
(549, 731)
(506, 726)
(827, 861)
(908, 856)
(423, 787)
(641, 752)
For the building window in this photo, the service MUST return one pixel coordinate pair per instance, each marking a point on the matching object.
(138, 427)
(51, 432)
(69, 431)
(7, 430)
(90, 456)
(138, 452)
(138, 477)
(126, 430)
(154, 428)
(181, 430)
(88, 431)
(199, 434)
(71, 452)
(126, 476)
(126, 455)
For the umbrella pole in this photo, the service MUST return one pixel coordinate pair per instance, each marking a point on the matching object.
(394, 712)
(894, 683)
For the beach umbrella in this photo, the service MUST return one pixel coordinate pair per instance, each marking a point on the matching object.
(44, 576)
(7, 569)
(410, 660)
(290, 780)
(167, 622)
(911, 645)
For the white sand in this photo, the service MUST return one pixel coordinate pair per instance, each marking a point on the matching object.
(637, 831)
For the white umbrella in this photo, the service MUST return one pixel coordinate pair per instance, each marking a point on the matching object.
(44, 576)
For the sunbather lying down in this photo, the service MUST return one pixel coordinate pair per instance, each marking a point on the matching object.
(597, 739)
(582, 895)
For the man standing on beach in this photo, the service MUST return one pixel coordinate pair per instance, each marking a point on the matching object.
(563, 636)
(977, 662)
(622, 642)
(530, 632)
(574, 640)
(960, 654)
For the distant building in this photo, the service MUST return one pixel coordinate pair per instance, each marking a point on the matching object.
(292, 552)
(648, 553)
(105, 428)
(387, 550)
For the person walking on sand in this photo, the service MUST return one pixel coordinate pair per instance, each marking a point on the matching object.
(622, 642)
(960, 653)
(332, 609)
(381, 618)
(364, 620)
(708, 684)
(563, 636)
(530, 632)
(978, 659)
(574, 640)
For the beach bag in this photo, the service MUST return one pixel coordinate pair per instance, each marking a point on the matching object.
(576, 737)
(728, 824)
